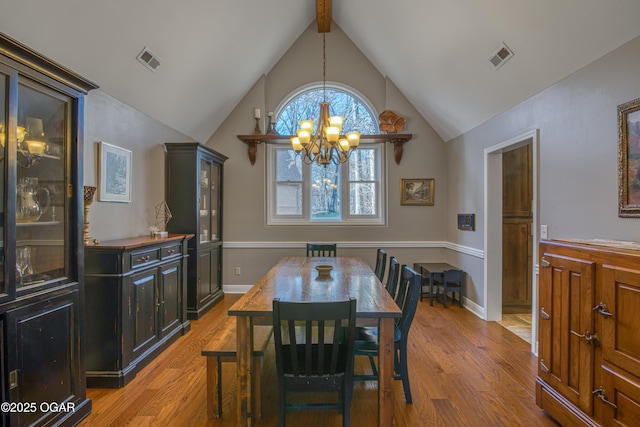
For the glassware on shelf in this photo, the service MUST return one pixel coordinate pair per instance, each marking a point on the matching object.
(23, 261)
(32, 201)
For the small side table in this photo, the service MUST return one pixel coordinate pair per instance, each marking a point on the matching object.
(428, 271)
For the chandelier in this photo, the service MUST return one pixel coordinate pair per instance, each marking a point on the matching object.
(327, 145)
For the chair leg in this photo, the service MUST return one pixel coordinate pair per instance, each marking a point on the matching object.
(281, 405)
(460, 298)
(372, 362)
(346, 406)
(431, 291)
(444, 297)
(404, 372)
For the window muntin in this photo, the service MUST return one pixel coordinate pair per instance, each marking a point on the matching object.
(351, 193)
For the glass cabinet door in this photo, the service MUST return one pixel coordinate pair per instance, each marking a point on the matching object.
(42, 206)
(205, 201)
(3, 168)
(215, 203)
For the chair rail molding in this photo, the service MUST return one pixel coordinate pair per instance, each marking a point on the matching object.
(478, 253)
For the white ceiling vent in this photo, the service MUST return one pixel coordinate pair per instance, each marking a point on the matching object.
(149, 59)
(501, 56)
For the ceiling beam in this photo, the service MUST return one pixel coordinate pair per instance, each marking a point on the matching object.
(323, 15)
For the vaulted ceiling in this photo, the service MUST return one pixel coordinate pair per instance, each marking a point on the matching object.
(213, 51)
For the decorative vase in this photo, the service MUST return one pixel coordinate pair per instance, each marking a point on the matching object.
(88, 199)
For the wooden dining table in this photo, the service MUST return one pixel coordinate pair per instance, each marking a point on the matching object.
(296, 279)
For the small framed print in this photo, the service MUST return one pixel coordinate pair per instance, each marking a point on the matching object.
(416, 191)
(115, 173)
(467, 222)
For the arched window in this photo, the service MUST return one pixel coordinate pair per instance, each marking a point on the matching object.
(351, 193)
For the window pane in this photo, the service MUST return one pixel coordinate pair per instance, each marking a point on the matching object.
(325, 192)
(288, 199)
(288, 166)
(362, 165)
(362, 198)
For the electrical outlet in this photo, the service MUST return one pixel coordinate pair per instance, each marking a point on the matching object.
(543, 232)
(237, 271)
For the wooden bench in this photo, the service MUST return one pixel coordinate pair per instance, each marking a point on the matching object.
(222, 348)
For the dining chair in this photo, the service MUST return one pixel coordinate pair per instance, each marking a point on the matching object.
(381, 263)
(392, 278)
(322, 249)
(451, 280)
(314, 349)
(367, 337)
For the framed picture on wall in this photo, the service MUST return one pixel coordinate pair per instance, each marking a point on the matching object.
(114, 169)
(416, 191)
(629, 159)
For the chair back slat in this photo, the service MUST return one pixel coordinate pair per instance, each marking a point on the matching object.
(321, 249)
(410, 283)
(392, 277)
(381, 263)
(311, 354)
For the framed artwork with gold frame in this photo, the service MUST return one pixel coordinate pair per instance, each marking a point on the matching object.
(416, 191)
(629, 159)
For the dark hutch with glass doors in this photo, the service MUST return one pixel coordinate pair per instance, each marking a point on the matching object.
(41, 219)
(193, 191)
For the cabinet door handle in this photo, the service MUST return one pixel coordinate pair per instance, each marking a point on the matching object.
(544, 315)
(543, 367)
(545, 263)
(600, 394)
(144, 258)
(602, 309)
(588, 337)
(171, 251)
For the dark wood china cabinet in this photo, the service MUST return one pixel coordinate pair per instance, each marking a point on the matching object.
(41, 252)
(193, 191)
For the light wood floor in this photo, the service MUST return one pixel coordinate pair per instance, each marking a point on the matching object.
(464, 372)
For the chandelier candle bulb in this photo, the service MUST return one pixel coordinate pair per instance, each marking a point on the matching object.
(304, 137)
(295, 143)
(353, 138)
(336, 121)
(333, 133)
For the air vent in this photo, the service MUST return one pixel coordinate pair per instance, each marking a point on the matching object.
(149, 59)
(501, 56)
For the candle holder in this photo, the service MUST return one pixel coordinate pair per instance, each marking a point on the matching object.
(272, 127)
(257, 130)
(88, 199)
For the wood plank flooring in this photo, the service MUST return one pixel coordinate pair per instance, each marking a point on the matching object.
(464, 372)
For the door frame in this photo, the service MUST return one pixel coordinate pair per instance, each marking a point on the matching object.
(493, 228)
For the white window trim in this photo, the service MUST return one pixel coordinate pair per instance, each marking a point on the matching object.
(272, 219)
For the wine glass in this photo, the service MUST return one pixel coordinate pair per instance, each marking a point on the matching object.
(23, 260)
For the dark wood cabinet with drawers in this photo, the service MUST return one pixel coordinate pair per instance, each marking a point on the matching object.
(136, 304)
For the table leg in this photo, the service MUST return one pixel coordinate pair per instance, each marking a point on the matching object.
(244, 344)
(385, 375)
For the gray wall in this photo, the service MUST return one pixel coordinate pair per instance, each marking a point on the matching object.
(109, 120)
(578, 163)
(254, 247)
(576, 119)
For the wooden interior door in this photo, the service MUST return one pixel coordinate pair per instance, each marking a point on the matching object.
(517, 215)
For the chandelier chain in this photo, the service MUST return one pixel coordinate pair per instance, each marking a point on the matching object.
(324, 70)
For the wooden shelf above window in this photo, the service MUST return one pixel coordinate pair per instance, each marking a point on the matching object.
(397, 139)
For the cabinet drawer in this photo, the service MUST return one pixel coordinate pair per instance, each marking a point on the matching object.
(619, 397)
(140, 259)
(171, 251)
